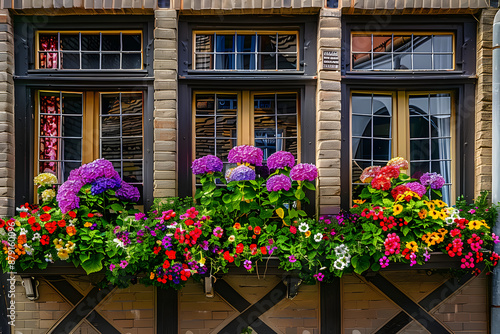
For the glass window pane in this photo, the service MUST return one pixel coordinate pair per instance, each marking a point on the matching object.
(417, 169)
(287, 43)
(382, 105)
(382, 61)
(381, 149)
(90, 61)
(227, 104)
(382, 43)
(132, 125)
(72, 126)
(47, 42)
(205, 104)
(287, 126)
(290, 145)
(72, 104)
(268, 146)
(224, 62)
(419, 105)
(224, 146)
(443, 62)
(402, 43)
(422, 61)
(267, 43)
(70, 60)
(287, 61)
(49, 148)
(402, 61)
(111, 61)
(440, 126)
(247, 43)
(361, 104)
(72, 149)
(265, 126)
(70, 42)
(382, 127)
(264, 104)
(245, 62)
(443, 168)
(110, 104)
(419, 127)
(132, 103)
(131, 42)
(419, 149)
(204, 147)
(443, 43)
(361, 61)
(132, 171)
(361, 126)
(226, 126)
(362, 148)
(204, 61)
(90, 42)
(440, 149)
(111, 42)
(361, 43)
(132, 148)
(267, 62)
(204, 43)
(111, 148)
(131, 61)
(440, 104)
(205, 127)
(110, 126)
(287, 104)
(68, 167)
(422, 43)
(225, 43)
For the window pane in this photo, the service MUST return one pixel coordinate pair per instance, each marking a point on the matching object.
(204, 43)
(422, 43)
(381, 149)
(48, 42)
(132, 171)
(402, 61)
(72, 126)
(382, 61)
(110, 104)
(443, 43)
(132, 148)
(265, 126)
(419, 127)
(361, 104)
(382, 43)
(443, 62)
(290, 145)
(419, 105)
(226, 126)
(224, 62)
(245, 62)
(264, 104)
(247, 43)
(287, 126)
(267, 43)
(382, 105)
(422, 61)
(361, 126)
(440, 149)
(287, 43)
(90, 61)
(205, 127)
(110, 126)
(382, 127)
(440, 104)
(402, 43)
(204, 62)
(287, 61)
(70, 60)
(361, 61)
(70, 42)
(205, 104)
(204, 147)
(361, 43)
(419, 149)
(131, 42)
(111, 61)
(267, 62)
(72, 149)
(225, 43)
(131, 61)
(91, 42)
(132, 103)
(68, 167)
(111, 42)
(362, 148)
(417, 169)
(72, 104)
(287, 104)
(223, 147)
(227, 104)
(132, 125)
(111, 149)
(443, 168)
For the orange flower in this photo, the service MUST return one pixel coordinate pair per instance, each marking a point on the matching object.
(237, 226)
(61, 223)
(307, 234)
(71, 230)
(257, 230)
(21, 239)
(422, 214)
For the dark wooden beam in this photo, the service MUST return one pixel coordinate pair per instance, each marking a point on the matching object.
(167, 313)
(330, 307)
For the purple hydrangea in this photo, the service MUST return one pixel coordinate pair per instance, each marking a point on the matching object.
(434, 180)
(303, 172)
(206, 164)
(278, 182)
(417, 188)
(102, 184)
(94, 170)
(128, 192)
(67, 195)
(240, 173)
(245, 154)
(280, 160)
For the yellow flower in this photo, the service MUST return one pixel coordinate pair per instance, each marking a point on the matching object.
(202, 260)
(87, 224)
(442, 215)
(359, 201)
(18, 223)
(63, 254)
(412, 245)
(307, 234)
(48, 194)
(434, 214)
(397, 209)
(231, 238)
(152, 275)
(439, 203)
(45, 179)
(422, 214)
(475, 224)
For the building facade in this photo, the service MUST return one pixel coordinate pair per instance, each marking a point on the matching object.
(343, 84)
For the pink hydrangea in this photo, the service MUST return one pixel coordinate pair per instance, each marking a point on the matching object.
(246, 154)
(280, 160)
(303, 172)
(278, 182)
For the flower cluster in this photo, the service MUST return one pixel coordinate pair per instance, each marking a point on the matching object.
(206, 164)
(280, 160)
(45, 179)
(245, 154)
(278, 182)
(302, 172)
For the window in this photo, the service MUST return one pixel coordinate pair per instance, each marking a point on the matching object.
(78, 127)
(266, 120)
(415, 125)
(89, 50)
(246, 50)
(394, 51)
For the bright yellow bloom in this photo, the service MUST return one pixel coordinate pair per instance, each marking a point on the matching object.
(397, 209)
(412, 245)
(307, 234)
(45, 179)
(439, 203)
(476, 224)
(434, 214)
(152, 275)
(63, 254)
(359, 201)
(87, 224)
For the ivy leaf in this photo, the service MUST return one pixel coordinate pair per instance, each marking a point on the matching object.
(361, 264)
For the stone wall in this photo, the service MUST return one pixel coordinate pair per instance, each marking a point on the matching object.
(165, 103)
(6, 114)
(328, 98)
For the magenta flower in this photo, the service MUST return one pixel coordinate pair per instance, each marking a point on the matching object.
(278, 182)
(280, 160)
(292, 259)
(218, 231)
(207, 164)
(303, 172)
(123, 264)
(128, 192)
(319, 276)
(246, 154)
(67, 195)
(417, 188)
(247, 264)
(434, 180)
(111, 267)
(94, 170)
(240, 173)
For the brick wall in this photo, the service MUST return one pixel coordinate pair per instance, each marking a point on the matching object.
(483, 101)
(6, 115)
(366, 309)
(199, 314)
(328, 115)
(165, 103)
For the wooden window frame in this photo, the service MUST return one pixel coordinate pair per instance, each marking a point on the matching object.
(400, 129)
(100, 52)
(247, 33)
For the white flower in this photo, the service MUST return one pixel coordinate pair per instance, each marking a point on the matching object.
(172, 226)
(341, 250)
(23, 231)
(318, 237)
(48, 258)
(339, 264)
(28, 249)
(303, 227)
(36, 236)
(119, 243)
(450, 220)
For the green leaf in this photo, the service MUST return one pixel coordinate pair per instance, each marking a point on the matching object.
(375, 266)
(406, 230)
(244, 207)
(300, 194)
(362, 264)
(116, 207)
(266, 214)
(93, 264)
(226, 198)
(274, 196)
(84, 257)
(309, 185)
(302, 213)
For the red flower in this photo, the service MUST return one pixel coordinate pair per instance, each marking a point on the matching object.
(50, 227)
(2, 223)
(389, 171)
(239, 248)
(189, 222)
(170, 254)
(61, 223)
(166, 264)
(31, 220)
(72, 214)
(45, 217)
(156, 249)
(293, 229)
(36, 227)
(46, 208)
(257, 230)
(250, 227)
(228, 257)
(399, 190)
(90, 215)
(263, 250)
(45, 239)
(71, 230)
(23, 214)
(381, 182)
